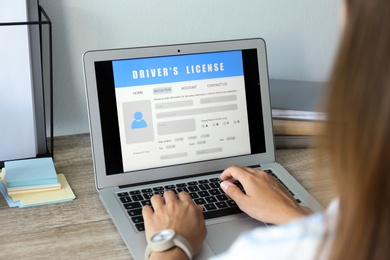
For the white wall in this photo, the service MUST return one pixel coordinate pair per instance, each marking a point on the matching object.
(301, 36)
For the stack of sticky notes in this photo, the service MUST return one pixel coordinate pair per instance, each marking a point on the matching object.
(33, 182)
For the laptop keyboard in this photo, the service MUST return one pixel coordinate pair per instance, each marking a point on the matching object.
(206, 192)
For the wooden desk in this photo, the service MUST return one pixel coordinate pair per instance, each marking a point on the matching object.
(82, 229)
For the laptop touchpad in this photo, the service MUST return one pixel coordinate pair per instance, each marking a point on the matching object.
(221, 236)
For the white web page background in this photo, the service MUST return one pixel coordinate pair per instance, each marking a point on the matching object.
(182, 122)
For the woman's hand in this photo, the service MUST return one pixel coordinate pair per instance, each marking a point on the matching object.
(266, 199)
(179, 213)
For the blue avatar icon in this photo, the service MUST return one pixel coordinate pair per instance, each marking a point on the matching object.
(138, 121)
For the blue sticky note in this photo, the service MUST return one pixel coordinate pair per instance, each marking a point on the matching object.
(30, 172)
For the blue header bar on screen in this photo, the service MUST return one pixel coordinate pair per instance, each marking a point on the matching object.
(158, 70)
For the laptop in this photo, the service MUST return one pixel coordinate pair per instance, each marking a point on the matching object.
(174, 117)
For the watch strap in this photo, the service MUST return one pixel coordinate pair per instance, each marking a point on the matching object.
(178, 241)
(181, 242)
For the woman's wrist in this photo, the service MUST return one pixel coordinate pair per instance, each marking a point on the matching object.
(175, 253)
(291, 213)
(306, 210)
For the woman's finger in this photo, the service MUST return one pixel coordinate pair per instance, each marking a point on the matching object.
(184, 196)
(169, 196)
(157, 201)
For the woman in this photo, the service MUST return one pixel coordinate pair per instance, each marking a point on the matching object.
(357, 142)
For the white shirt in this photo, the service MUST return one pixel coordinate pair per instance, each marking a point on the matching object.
(298, 239)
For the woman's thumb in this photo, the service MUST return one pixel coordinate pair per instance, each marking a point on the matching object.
(231, 190)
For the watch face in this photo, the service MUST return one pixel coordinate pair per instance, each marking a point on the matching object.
(163, 235)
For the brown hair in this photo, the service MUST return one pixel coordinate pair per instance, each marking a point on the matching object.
(357, 135)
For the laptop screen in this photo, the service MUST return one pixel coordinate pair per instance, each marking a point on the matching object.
(178, 109)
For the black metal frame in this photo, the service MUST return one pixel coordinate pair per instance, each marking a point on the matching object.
(47, 22)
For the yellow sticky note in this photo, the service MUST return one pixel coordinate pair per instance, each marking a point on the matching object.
(47, 197)
(29, 191)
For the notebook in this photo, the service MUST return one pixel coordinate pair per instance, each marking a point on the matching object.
(168, 117)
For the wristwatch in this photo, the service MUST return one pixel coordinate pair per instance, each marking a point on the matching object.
(166, 239)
